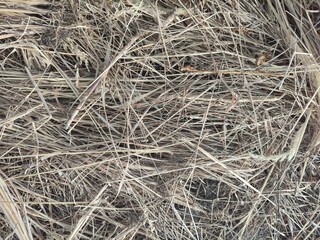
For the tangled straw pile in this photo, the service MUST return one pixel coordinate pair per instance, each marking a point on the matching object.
(144, 119)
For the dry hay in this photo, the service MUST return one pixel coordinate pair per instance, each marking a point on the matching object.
(145, 119)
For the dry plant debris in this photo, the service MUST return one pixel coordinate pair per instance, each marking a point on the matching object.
(144, 119)
(261, 59)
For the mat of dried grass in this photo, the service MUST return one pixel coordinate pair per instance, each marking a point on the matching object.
(144, 119)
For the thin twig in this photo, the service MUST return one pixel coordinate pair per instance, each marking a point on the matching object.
(91, 88)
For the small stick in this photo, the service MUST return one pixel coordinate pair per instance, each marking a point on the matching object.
(90, 89)
(190, 69)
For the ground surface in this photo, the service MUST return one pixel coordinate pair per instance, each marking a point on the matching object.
(145, 119)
